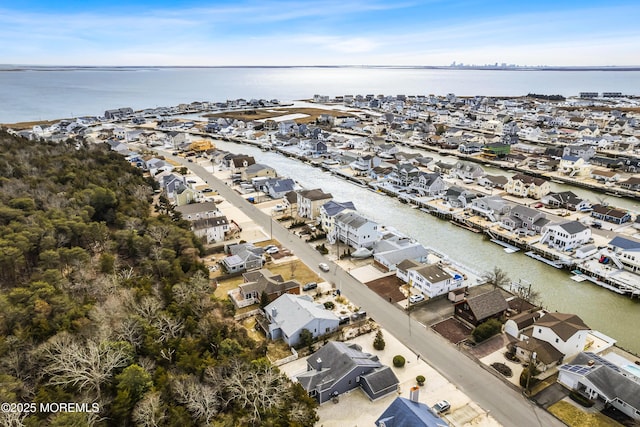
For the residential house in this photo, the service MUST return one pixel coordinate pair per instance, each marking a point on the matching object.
(289, 314)
(155, 166)
(185, 195)
(290, 202)
(610, 214)
(404, 174)
(257, 170)
(329, 210)
(604, 175)
(518, 323)
(468, 170)
(585, 152)
(364, 164)
(524, 220)
(264, 281)
(626, 251)
(493, 181)
(405, 412)
(458, 197)
(428, 184)
(197, 211)
(392, 249)
(574, 166)
(354, 230)
(632, 183)
(239, 162)
(566, 236)
(339, 367)
(609, 382)
(492, 208)
(566, 333)
(211, 229)
(432, 280)
(243, 257)
(479, 309)
(522, 185)
(278, 187)
(309, 202)
(566, 200)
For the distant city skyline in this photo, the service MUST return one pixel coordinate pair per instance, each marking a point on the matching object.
(349, 32)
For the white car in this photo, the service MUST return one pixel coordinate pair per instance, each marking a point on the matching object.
(324, 267)
(441, 407)
(416, 298)
(273, 250)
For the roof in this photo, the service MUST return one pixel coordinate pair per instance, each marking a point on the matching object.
(217, 221)
(396, 256)
(352, 219)
(487, 304)
(280, 184)
(526, 179)
(605, 377)
(264, 281)
(545, 352)
(195, 208)
(315, 194)
(608, 211)
(336, 359)
(380, 379)
(564, 325)
(573, 227)
(407, 264)
(626, 244)
(295, 312)
(332, 207)
(433, 273)
(257, 167)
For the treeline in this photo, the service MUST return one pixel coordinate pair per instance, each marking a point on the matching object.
(103, 300)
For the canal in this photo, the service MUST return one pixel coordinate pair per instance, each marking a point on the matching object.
(603, 310)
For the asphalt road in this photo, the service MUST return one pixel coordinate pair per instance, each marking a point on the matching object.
(507, 406)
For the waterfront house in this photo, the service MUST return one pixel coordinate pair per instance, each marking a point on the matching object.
(518, 323)
(405, 412)
(610, 214)
(433, 280)
(492, 208)
(118, 113)
(243, 257)
(493, 181)
(566, 332)
(467, 170)
(354, 230)
(480, 308)
(257, 170)
(566, 236)
(390, 251)
(339, 367)
(264, 281)
(627, 251)
(211, 229)
(289, 314)
(524, 220)
(364, 164)
(522, 185)
(458, 197)
(604, 175)
(566, 200)
(574, 166)
(428, 184)
(404, 174)
(329, 210)
(310, 201)
(599, 379)
(278, 187)
(632, 183)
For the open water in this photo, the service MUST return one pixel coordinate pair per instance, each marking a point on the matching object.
(39, 94)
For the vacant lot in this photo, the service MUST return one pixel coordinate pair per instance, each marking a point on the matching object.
(453, 330)
(574, 417)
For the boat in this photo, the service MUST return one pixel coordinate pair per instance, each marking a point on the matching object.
(510, 249)
(361, 253)
(552, 263)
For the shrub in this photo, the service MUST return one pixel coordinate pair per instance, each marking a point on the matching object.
(398, 361)
(329, 305)
(582, 400)
(486, 330)
(420, 379)
(378, 342)
(503, 369)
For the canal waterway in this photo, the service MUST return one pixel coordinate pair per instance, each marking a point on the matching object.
(603, 310)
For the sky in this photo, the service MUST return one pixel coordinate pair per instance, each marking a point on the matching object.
(307, 33)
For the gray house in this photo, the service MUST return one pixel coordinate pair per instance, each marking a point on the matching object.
(278, 187)
(340, 367)
(243, 257)
(289, 314)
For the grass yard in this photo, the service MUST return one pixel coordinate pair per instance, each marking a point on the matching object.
(574, 417)
(301, 272)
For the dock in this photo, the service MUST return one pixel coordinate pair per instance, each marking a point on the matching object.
(507, 247)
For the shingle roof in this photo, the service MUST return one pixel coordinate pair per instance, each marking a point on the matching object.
(293, 312)
(380, 379)
(565, 325)
(433, 273)
(405, 413)
(487, 304)
(573, 227)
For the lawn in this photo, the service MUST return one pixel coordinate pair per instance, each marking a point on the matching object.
(574, 417)
(301, 272)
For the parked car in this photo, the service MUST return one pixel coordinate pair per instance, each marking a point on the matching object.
(416, 298)
(343, 320)
(207, 190)
(442, 406)
(324, 267)
(273, 250)
(309, 286)
(278, 208)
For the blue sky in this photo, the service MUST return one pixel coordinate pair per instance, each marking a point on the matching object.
(340, 32)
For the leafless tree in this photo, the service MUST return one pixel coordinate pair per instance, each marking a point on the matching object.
(201, 400)
(85, 365)
(257, 388)
(168, 326)
(149, 411)
(12, 419)
(498, 277)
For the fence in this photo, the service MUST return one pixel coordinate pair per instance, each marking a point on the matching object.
(279, 362)
(243, 316)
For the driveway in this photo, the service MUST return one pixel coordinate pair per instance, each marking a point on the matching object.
(506, 405)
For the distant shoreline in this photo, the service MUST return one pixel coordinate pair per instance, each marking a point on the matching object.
(14, 68)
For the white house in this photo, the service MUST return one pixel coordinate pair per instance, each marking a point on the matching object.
(309, 202)
(432, 280)
(355, 230)
(212, 229)
(567, 333)
(565, 236)
(329, 210)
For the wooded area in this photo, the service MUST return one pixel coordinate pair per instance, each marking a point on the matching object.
(102, 302)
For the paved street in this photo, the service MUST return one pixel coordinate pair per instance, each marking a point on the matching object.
(504, 404)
